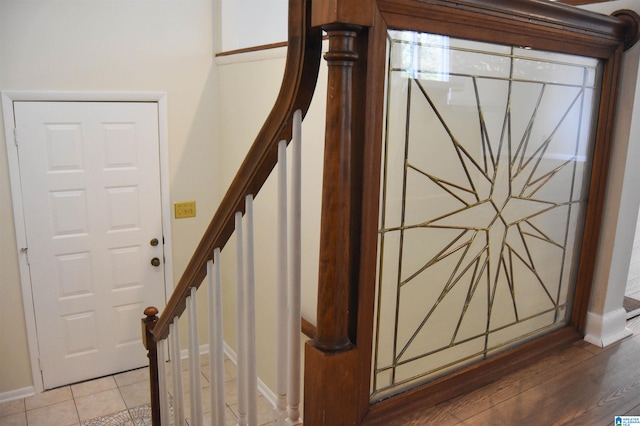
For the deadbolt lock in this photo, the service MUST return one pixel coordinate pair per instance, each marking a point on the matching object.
(154, 242)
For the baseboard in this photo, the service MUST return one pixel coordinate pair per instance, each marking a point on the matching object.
(264, 390)
(17, 394)
(604, 330)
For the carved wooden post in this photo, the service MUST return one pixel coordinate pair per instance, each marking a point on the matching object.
(336, 242)
(331, 375)
(332, 370)
(148, 323)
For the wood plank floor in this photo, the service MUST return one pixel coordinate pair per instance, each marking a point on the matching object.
(580, 385)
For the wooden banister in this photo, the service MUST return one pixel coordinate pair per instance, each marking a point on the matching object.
(298, 84)
(337, 387)
(148, 323)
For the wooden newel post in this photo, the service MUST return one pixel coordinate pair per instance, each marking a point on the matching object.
(332, 356)
(148, 323)
(336, 271)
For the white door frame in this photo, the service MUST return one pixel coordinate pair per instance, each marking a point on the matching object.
(8, 97)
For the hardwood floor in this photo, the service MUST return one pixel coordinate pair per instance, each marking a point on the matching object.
(579, 385)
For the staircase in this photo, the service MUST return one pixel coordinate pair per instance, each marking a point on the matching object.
(338, 360)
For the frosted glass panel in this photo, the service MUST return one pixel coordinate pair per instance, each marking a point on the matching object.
(485, 172)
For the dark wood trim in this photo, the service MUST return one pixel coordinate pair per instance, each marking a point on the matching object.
(298, 84)
(374, 100)
(583, 2)
(259, 48)
(328, 379)
(148, 323)
(597, 188)
(538, 24)
(307, 328)
(340, 196)
(471, 378)
(352, 12)
(632, 21)
(332, 359)
(534, 23)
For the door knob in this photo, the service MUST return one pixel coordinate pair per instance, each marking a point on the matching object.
(155, 261)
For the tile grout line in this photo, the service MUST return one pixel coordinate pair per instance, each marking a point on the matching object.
(123, 399)
(134, 416)
(75, 405)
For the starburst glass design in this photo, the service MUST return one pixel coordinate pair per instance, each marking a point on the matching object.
(485, 173)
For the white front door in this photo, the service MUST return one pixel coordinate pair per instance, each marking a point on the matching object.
(90, 180)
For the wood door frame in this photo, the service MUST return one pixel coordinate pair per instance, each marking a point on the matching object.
(8, 98)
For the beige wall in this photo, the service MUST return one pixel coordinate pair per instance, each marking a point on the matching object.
(101, 45)
(248, 87)
(214, 111)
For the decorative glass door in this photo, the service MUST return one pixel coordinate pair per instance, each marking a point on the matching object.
(485, 171)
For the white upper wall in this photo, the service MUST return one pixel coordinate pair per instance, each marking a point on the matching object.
(248, 23)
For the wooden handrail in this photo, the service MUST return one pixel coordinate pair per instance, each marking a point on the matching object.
(307, 328)
(296, 91)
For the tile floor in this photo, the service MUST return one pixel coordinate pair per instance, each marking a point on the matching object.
(121, 399)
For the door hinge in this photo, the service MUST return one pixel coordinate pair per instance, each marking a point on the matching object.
(25, 250)
(18, 134)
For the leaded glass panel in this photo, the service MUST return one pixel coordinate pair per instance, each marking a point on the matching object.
(485, 172)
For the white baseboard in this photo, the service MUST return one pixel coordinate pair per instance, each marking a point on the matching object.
(604, 330)
(17, 394)
(264, 390)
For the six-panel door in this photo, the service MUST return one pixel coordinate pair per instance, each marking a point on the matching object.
(91, 193)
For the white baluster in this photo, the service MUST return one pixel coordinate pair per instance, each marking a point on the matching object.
(241, 325)
(282, 349)
(216, 354)
(252, 376)
(194, 361)
(162, 382)
(176, 369)
(295, 249)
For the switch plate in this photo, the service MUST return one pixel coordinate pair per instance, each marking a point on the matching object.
(184, 209)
